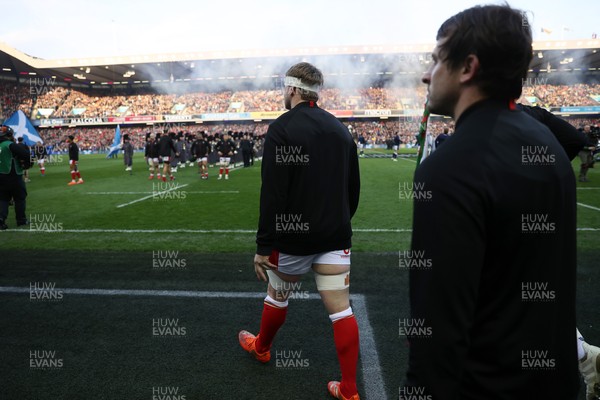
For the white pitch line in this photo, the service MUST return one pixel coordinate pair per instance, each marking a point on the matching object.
(245, 231)
(369, 357)
(215, 192)
(117, 192)
(185, 230)
(588, 206)
(139, 230)
(588, 188)
(150, 196)
(372, 374)
(407, 159)
(195, 192)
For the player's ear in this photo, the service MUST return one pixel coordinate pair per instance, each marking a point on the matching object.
(469, 68)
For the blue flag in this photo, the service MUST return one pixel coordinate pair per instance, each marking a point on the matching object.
(116, 145)
(23, 128)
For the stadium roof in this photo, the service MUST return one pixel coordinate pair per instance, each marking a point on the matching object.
(575, 55)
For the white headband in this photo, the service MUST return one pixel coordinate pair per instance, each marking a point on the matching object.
(297, 82)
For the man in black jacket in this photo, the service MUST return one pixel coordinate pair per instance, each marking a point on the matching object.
(310, 191)
(246, 147)
(587, 153)
(497, 226)
(12, 160)
(25, 164)
(571, 140)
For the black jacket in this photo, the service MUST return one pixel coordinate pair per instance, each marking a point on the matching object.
(498, 228)
(200, 148)
(73, 151)
(567, 135)
(310, 184)
(25, 162)
(225, 147)
(245, 146)
(165, 146)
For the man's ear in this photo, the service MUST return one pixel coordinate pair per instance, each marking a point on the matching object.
(470, 68)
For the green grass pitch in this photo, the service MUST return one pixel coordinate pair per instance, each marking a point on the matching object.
(109, 233)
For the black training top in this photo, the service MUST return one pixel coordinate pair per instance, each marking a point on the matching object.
(494, 219)
(310, 184)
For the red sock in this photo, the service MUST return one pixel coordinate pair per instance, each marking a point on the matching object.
(345, 335)
(226, 171)
(272, 319)
(73, 175)
(220, 171)
(79, 174)
(43, 171)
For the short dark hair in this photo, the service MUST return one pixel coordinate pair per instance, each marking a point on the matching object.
(71, 137)
(500, 37)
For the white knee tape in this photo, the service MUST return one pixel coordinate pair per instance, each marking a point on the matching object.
(333, 282)
(279, 284)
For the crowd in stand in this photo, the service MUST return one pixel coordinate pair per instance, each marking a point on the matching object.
(64, 102)
(561, 95)
(53, 98)
(376, 133)
(14, 97)
(73, 103)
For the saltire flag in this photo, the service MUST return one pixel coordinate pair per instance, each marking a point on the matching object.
(421, 137)
(116, 145)
(23, 128)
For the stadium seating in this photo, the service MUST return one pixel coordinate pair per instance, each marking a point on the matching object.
(61, 102)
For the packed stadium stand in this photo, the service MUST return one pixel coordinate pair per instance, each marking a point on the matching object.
(376, 90)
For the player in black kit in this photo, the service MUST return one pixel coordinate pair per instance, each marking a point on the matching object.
(165, 147)
(200, 150)
(74, 162)
(226, 150)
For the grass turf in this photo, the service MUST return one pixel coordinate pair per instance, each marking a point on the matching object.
(196, 205)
